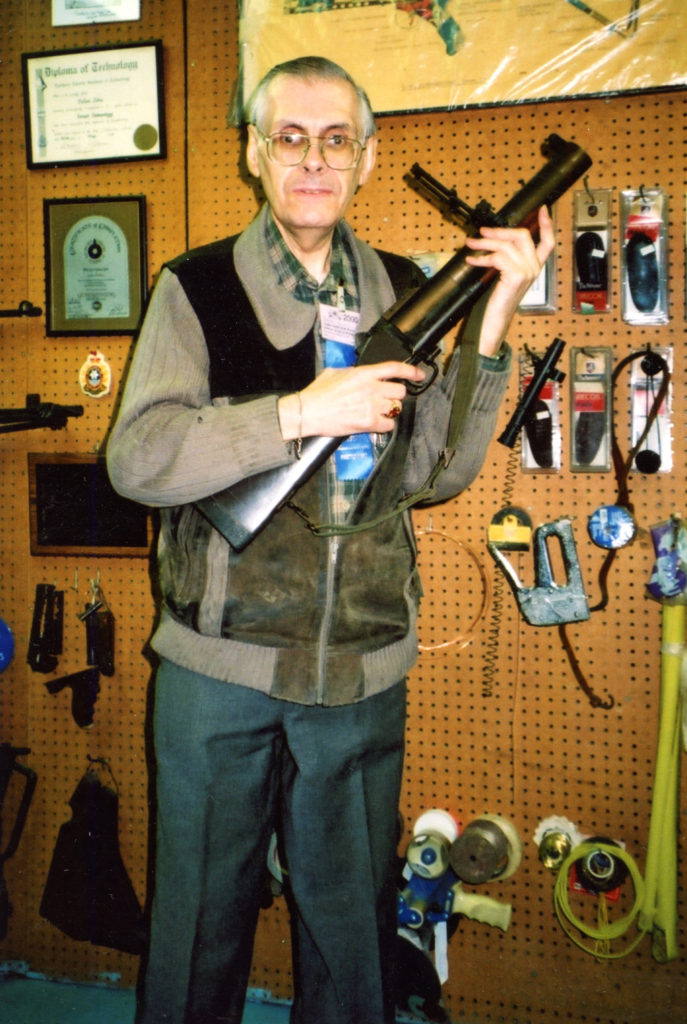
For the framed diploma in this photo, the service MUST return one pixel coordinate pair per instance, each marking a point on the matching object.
(99, 105)
(81, 12)
(95, 261)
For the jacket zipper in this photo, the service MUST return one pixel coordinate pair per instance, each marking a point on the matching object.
(332, 557)
(334, 543)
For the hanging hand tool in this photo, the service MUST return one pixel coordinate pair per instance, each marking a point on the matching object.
(544, 370)
(548, 603)
(8, 765)
(100, 625)
(37, 415)
(85, 687)
(45, 642)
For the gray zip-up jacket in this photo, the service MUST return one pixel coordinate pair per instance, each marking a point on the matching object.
(300, 617)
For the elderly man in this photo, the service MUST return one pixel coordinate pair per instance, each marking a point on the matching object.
(280, 695)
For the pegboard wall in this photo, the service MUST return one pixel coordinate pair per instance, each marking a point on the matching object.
(497, 720)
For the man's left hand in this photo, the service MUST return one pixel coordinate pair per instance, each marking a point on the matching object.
(518, 259)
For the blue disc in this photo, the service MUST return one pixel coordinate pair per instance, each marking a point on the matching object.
(611, 526)
(6, 645)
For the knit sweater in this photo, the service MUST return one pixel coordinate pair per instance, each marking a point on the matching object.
(175, 442)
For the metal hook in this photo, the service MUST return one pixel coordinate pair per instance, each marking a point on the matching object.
(585, 182)
(25, 308)
(644, 200)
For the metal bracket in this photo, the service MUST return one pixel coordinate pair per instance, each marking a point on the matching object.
(447, 200)
(37, 415)
(25, 308)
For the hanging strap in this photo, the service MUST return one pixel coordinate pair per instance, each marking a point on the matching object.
(466, 382)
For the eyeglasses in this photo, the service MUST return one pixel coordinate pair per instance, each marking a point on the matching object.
(291, 148)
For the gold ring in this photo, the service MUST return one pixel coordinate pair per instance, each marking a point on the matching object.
(394, 411)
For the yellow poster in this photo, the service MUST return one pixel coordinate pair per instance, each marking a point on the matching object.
(442, 54)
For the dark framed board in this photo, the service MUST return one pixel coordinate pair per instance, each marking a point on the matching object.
(74, 510)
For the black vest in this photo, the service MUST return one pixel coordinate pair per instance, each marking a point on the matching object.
(213, 288)
(274, 594)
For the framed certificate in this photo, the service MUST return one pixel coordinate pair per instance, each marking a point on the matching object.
(95, 261)
(81, 12)
(99, 105)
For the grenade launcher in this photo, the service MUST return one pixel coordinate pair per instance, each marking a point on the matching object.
(409, 332)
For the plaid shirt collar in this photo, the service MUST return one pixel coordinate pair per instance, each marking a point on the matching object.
(293, 276)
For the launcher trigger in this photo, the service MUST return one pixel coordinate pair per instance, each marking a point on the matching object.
(548, 603)
(430, 363)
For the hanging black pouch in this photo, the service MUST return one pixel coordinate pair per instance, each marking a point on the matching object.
(88, 894)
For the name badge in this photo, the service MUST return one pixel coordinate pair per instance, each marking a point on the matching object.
(338, 327)
(354, 458)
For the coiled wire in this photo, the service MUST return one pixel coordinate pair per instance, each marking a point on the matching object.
(605, 931)
(491, 645)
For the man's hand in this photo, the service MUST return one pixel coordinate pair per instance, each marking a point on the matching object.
(353, 400)
(513, 253)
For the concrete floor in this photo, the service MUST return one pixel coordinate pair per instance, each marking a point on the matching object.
(38, 1001)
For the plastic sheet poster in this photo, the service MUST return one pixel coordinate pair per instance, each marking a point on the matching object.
(440, 54)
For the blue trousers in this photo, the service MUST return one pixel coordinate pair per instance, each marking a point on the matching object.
(232, 766)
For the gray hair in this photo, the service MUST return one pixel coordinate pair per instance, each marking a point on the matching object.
(308, 67)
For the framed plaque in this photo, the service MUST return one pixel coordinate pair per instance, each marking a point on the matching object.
(74, 510)
(95, 261)
(94, 106)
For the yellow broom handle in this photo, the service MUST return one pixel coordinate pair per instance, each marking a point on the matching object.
(660, 899)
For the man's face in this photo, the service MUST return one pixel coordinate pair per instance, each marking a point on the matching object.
(310, 197)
